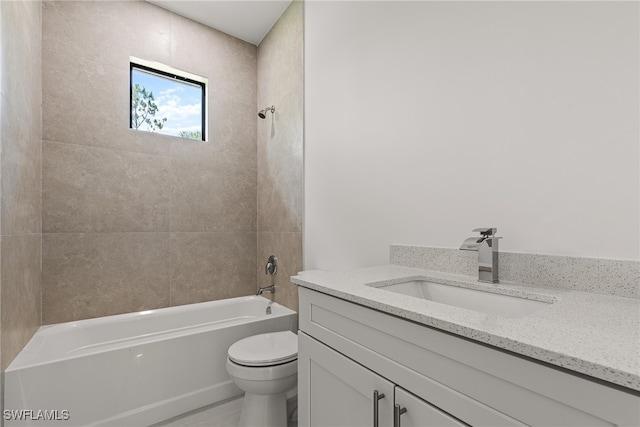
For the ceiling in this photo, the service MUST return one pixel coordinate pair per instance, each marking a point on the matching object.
(248, 20)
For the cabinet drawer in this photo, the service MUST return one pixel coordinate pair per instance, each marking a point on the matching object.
(420, 413)
(495, 387)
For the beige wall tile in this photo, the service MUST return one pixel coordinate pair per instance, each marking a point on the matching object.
(21, 275)
(21, 50)
(287, 247)
(280, 136)
(21, 118)
(211, 185)
(88, 189)
(108, 31)
(280, 192)
(88, 53)
(280, 75)
(20, 166)
(213, 195)
(89, 275)
(231, 132)
(279, 153)
(211, 266)
(87, 102)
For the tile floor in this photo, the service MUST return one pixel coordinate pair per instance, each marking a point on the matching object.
(225, 414)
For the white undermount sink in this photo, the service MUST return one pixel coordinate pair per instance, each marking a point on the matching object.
(485, 302)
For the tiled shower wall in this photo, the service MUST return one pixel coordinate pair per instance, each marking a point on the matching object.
(280, 136)
(20, 165)
(134, 220)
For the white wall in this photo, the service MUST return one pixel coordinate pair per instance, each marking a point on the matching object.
(424, 120)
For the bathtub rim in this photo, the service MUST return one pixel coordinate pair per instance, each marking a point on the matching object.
(23, 361)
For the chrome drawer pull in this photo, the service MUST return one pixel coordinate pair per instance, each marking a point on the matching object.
(397, 411)
(376, 396)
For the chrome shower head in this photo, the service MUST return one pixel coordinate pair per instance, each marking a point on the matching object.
(263, 113)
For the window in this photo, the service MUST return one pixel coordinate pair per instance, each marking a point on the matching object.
(167, 101)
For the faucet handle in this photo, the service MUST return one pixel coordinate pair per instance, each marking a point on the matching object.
(272, 266)
(486, 232)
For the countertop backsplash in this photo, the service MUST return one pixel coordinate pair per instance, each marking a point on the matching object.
(603, 276)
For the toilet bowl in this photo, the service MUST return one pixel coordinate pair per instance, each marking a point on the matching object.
(265, 367)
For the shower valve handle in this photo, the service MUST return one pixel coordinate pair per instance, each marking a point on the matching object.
(272, 266)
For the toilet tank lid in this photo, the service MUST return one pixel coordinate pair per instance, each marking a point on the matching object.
(265, 349)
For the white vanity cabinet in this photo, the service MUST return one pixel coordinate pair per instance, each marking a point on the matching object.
(345, 393)
(348, 352)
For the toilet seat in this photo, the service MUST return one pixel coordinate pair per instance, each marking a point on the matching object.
(270, 349)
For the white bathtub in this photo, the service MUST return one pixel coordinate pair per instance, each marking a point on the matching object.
(134, 369)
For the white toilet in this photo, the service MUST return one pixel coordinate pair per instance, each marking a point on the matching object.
(265, 367)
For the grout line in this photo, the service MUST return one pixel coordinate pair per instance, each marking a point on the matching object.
(41, 209)
(103, 232)
(170, 215)
(41, 168)
(20, 234)
(141, 232)
(101, 147)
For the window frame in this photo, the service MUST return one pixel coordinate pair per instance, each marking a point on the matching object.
(162, 70)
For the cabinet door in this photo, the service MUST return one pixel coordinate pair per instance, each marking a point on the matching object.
(412, 411)
(335, 391)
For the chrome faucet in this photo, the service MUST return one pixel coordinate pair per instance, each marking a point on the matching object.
(271, 268)
(487, 247)
(267, 289)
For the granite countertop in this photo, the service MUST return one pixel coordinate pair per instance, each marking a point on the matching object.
(593, 334)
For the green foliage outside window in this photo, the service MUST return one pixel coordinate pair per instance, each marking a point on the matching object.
(144, 109)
